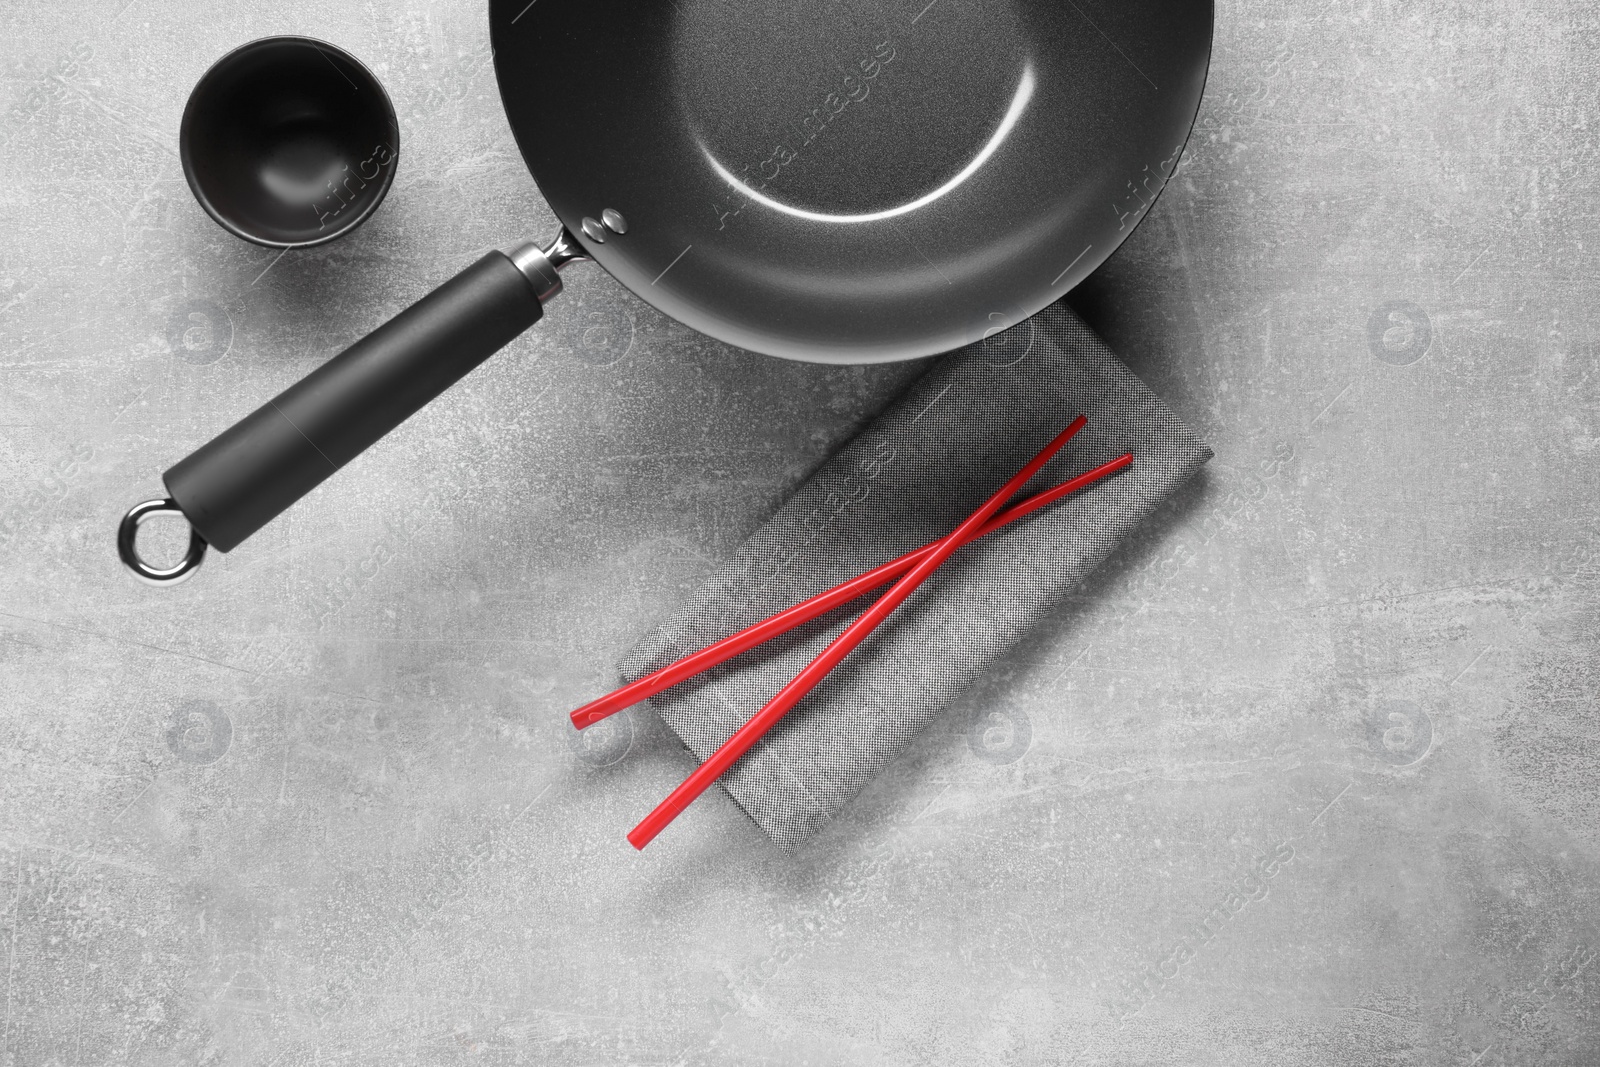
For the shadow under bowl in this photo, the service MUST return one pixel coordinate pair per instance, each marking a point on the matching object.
(289, 141)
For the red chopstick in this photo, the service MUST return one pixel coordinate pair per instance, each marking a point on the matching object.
(761, 632)
(840, 647)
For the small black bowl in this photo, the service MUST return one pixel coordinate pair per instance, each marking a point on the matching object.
(289, 141)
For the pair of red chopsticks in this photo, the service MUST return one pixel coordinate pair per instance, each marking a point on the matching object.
(912, 569)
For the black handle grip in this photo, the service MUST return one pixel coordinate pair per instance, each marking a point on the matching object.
(251, 472)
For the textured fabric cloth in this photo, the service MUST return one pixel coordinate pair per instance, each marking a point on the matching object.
(960, 431)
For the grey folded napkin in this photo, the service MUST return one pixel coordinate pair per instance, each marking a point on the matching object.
(922, 466)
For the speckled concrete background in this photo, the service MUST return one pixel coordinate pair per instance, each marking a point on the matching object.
(1308, 775)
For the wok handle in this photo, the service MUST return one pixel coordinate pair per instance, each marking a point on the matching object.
(253, 471)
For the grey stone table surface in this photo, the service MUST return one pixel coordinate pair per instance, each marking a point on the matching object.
(1308, 774)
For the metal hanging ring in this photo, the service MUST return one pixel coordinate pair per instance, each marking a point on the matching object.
(127, 536)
